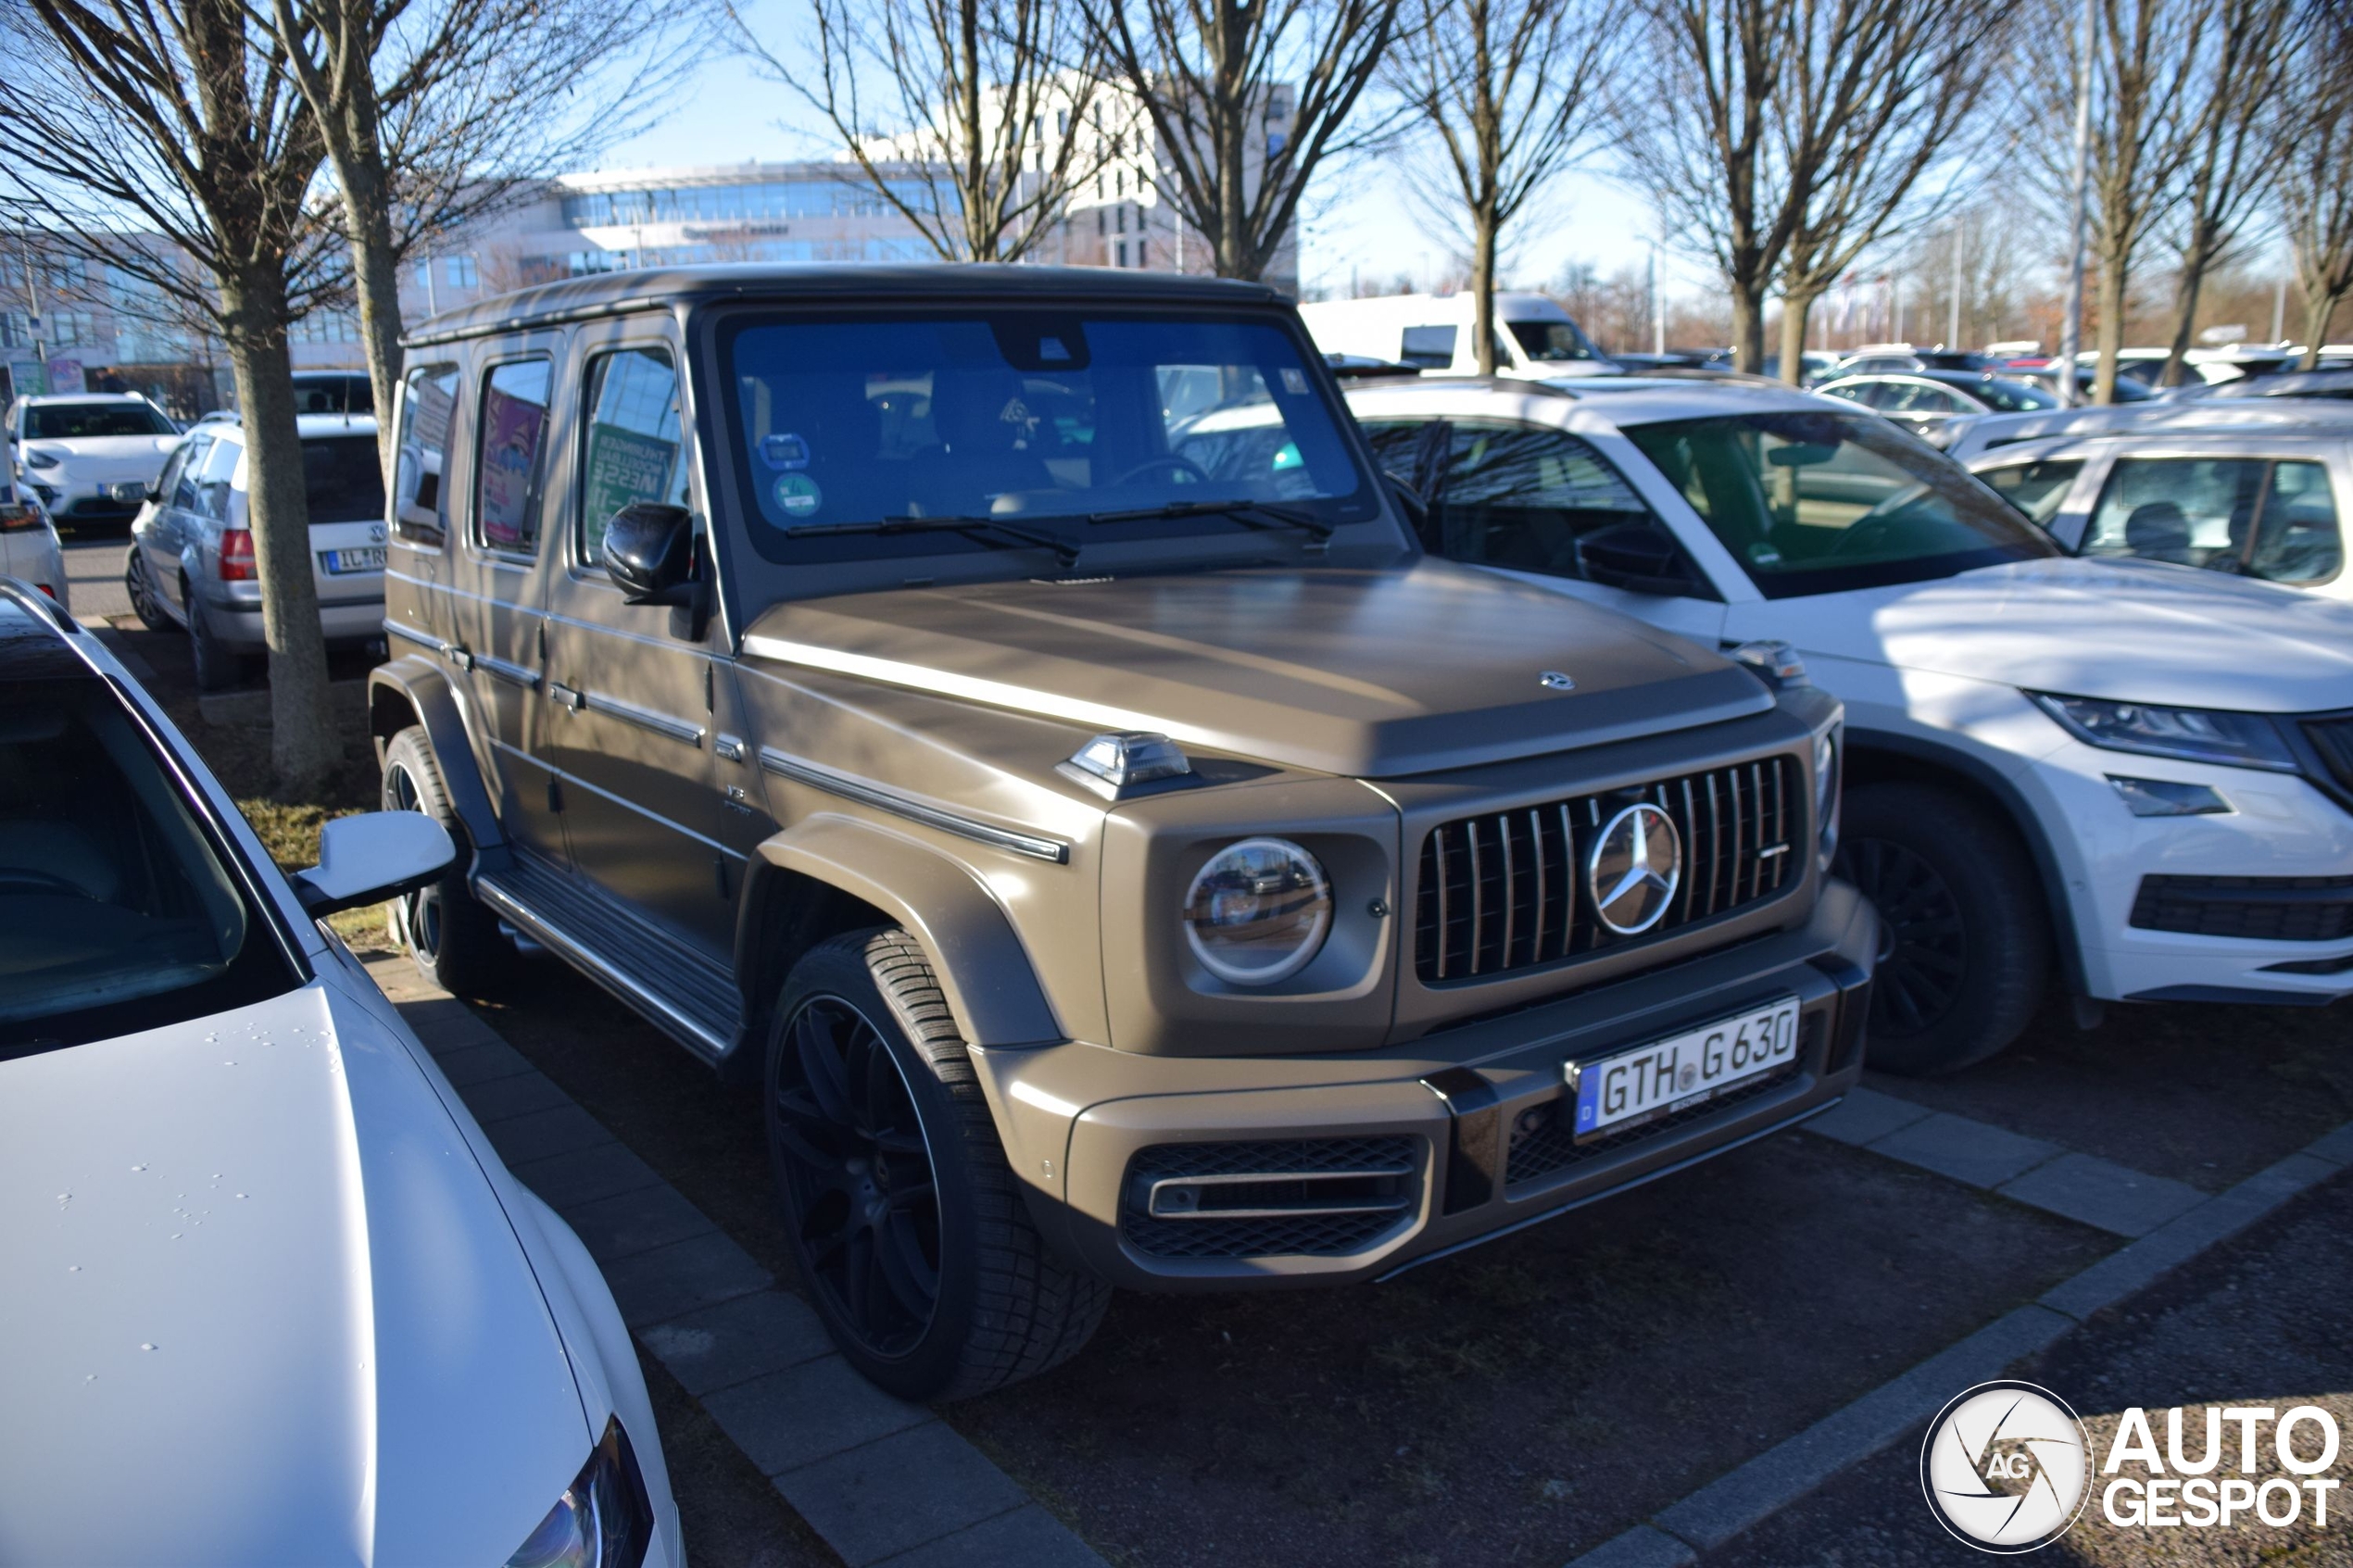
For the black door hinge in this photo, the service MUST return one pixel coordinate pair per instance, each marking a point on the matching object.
(555, 794)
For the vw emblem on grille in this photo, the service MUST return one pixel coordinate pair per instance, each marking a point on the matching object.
(1554, 681)
(1635, 866)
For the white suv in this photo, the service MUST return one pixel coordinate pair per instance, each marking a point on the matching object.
(90, 458)
(2142, 771)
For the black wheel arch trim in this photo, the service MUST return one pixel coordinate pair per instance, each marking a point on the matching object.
(1985, 779)
(414, 682)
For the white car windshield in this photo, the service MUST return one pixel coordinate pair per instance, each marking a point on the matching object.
(87, 421)
(1816, 502)
(117, 912)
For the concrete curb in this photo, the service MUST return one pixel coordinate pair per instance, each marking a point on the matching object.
(1756, 1490)
(880, 1480)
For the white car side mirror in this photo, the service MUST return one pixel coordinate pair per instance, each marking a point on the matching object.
(368, 859)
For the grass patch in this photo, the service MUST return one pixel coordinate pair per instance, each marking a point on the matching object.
(290, 832)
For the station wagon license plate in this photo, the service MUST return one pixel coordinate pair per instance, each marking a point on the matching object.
(1639, 1086)
(369, 559)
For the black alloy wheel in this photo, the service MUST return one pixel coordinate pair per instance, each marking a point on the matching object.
(861, 1191)
(417, 913)
(1923, 946)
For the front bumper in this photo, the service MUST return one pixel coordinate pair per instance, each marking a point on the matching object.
(1439, 1142)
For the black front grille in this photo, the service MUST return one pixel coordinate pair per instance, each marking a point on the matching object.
(1544, 1139)
(1264, 1234)
(2333, 738)
(2265, 909)
(1503, 892)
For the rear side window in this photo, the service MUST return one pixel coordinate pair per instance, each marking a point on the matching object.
(2036, 489)
(175, 472)
(343, 479)
(212, 482)
(634, 448)
(510, 451)
(1523, 496)
(1430, 347)
(428, 412)
(2252, 517)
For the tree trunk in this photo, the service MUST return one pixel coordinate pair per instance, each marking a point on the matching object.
(1797, 308)
(2109, 337)
(2195, 258)
(375, 263)
(1483, 289)
(2320, 309)
(1748, 325)
(305, 744)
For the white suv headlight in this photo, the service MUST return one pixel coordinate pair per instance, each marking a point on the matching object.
(604, 1519)
(2194, 735)
(1258, 911)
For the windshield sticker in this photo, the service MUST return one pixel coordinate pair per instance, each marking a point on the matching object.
(796, 494)
(784, 451)
(1294, 381)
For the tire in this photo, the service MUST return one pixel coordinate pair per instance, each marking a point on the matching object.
(908, 1224)
(1965, 942)
(219, 667)
(454, 939)
(142, 590)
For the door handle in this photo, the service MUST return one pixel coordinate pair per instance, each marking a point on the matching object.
(565, 696)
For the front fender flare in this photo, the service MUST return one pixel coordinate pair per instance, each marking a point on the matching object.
(419, 682)
(983, 969)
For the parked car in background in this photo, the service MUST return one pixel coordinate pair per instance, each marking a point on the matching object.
(89, 459)
(260, 1257)
(28, 547)
(191, 561)
(2139, 775)
(1533, 335)
(2265, 504)
(2047, 377)
(333, 392)
(1934, 405)
(1018, 729)
(1889, 358)
(1995, 431)
(2287, 384)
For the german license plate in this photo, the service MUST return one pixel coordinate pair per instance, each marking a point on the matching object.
(369, 559)
(1624, 1091)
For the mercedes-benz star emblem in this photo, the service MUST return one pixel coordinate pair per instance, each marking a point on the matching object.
(1636, 864)
(1554, 681)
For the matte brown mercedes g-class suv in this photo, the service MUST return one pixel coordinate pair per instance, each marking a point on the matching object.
(1001, 713)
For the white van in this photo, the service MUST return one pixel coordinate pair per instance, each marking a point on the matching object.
(1534, 338)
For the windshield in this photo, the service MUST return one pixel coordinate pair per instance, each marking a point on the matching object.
(318, 393)
(1819, 502)
(117, 912)
(1042, 419)
(2012, 396)
(83, 422)
(1553, 342)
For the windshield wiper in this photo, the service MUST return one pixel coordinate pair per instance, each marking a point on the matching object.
(1065, 550)
(1258, 515)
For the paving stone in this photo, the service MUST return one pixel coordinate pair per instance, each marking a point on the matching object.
(1795, 1466)
(809, 1412)
(631, 1223)
(672, 1281)
(738, 1340)
(2134, 1267)
(1642, 1546)
(905, 1491)
(558, 1130)
(582, 1175)
(479, 1064)
(1974, 1152)
(1030, 1538)
(2100, 1192)
(1865, 1115)
(503, 1099)
(2336, 1147)
(447, 1034)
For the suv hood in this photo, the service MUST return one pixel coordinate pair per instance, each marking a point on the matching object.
(1362, 673)
(261, 1305)
(142, 453)
(2126, 631)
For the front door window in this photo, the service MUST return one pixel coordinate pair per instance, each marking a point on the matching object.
(2254, 517)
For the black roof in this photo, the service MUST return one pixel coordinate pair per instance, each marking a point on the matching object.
(32, 647)
(606, 294)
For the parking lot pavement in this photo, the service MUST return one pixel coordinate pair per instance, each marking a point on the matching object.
(93, 577)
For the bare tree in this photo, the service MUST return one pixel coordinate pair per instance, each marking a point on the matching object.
(979, 145)
(422, 107)
(1245, 101)
(1782, 137)
(1508, 90)
(2233, 155)
(178, 116)
(1876, 98)
(2314, 126)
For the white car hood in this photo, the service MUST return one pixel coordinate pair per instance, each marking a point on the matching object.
(2127, 631)
(109, 455)
(262, 1306)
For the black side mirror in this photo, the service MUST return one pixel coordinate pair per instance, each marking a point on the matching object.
(650, 553)
(1632, 555)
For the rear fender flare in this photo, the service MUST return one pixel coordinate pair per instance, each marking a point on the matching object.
(420, 686)
(983, 969)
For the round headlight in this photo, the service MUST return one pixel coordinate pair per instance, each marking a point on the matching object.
(1258, 911)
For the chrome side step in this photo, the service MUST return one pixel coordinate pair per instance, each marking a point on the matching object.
(665, 1014)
